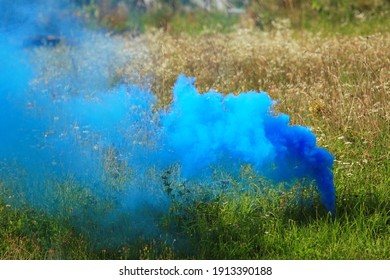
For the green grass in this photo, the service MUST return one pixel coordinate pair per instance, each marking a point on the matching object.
(329, 25)
(336, 84)
(198, 22)
(270, 225)
(347, 17)
(263, 222)
(27, 233)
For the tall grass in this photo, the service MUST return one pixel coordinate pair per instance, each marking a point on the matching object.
(337, 85)
(346, 16)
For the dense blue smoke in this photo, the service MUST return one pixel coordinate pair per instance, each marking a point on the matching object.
(73, 144)
(204, 130)
(88, 156)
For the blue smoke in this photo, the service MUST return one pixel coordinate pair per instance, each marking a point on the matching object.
(91, 155)
(73, 144)
(204, 130)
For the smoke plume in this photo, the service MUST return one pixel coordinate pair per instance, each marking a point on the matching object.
(77, 143)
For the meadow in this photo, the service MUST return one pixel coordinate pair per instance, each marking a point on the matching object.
(333, 82)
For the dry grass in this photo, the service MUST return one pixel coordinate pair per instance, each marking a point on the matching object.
(337, 84)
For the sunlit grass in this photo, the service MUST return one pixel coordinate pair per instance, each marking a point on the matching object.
(338, 85)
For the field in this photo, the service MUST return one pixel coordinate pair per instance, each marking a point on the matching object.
(336, 83)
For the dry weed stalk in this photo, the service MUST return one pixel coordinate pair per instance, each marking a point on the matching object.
(334, 83)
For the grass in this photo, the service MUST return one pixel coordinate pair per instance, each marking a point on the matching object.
(30, 234)
(191, 22)
(336, 83)
(260, 223)
(347, 17)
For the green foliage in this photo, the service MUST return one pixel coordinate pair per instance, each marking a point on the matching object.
(192, 22)
(327, 16)
(26, 233)
(336, 84)
(265, 222)
(251, 219)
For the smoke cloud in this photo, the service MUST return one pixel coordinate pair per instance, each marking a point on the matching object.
(210, 129)
(76, 146)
